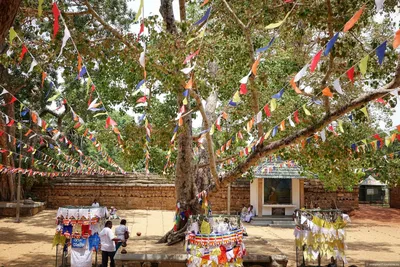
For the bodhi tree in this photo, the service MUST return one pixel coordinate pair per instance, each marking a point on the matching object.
(228, 40)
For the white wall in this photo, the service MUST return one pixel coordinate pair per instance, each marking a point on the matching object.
(267, 209)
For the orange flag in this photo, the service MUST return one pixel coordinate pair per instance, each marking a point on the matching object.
(327, 92)
(396, 41)
(282, 125)
(224, 115)
(204, 3)
(354, 19)
(189, 84)
(398, 128)
(34, 117)
(255, 65)
(293, 84)
(79, 63)
(44, 75)
(28, 132)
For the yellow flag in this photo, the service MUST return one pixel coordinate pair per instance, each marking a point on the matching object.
(201, 35)
(365, 111)
(341, 125)
(306, 111)
(185, 102)
(13, 34)
(40, 8)
(236, 97)
(273, 104)
(364, 64)
(212, 130)
(364, 141)
(88, 83)
(268, 134)
(277, 24)
(139, 11)
(387, 141)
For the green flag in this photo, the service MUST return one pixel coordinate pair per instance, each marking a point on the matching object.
(13, 34)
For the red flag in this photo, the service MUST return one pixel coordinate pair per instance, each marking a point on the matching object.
(110, 122)
(315, 61)
(23, 52)
(350, 74)
(380, 100)
(56, 14)
(398, 127)
(143, 99)
(267, 111)
(398, 137)
(188, 58)
(243, 88)
(140, 31)
(296, 116)
(10, 123)
(377, 137)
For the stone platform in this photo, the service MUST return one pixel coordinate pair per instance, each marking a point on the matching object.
(8, 209)
(145, 252)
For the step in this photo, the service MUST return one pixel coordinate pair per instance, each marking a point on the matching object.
(273, 218)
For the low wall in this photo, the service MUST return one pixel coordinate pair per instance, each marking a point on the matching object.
(316, 196)
(394, 197)
(158, 196)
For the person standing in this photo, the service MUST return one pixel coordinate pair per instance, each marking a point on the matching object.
(107, 242)
(122, 233)
(95, 203)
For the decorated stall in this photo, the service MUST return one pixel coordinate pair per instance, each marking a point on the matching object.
(320, 235)
(77, 234)
(214, 240)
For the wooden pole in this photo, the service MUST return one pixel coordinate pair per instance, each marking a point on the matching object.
(229, 199)
(18, 207)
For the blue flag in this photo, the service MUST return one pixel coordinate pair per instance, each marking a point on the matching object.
(380, 52)
(279, 94)
(233, 104)
(330, 44)
(185, 93)
(265, 48)
(140, 84)
(274, 131)
(204, 18)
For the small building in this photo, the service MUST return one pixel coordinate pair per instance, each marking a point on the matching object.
(278, 188)
(372, 191)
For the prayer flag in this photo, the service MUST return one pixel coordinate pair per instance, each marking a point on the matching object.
(44, 75)
(191, 56)
(13, 34)
(294, 85)
(267, 111)
(315, 61)
(23, 52)
(243, 88)
(365, 111)
(255, 65)
(274, 131)
(265, 48)
(56, 14)
(139, 12)
(279, 94)
(236, 97)
(379, 5)
(40, 8)
(306, 111)
(338, 88)
(354, 19)
(277, 24)
(296, 116)
(67, 35)
(396, 41)
(301, 73)
(350, 74)
(380, 52)
(327, 92)
(330, 44)
(273, 104)
(291, 122)
(141, 30)
(364, 64)
(204, 18)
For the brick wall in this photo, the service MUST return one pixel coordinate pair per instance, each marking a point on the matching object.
(159, 196)
(316, 196)
(394, 197)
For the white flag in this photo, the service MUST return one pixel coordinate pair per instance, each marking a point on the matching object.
(141, 59)
(4, 92)
(338, 88)
(379, 4)
(33, 64)
(301, 73)
(189, 69)
(259, 117)
(245, 78)
(291, 122)
(67, 35)
(323, 136)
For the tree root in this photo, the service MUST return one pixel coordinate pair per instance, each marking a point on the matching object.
(172, 237)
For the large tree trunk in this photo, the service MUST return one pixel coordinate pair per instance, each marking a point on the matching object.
(9, 9)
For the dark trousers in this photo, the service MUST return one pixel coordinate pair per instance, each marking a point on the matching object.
(104, 258)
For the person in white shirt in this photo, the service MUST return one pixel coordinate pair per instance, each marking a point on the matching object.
(107, 242)
(95, 204)
(120, 233)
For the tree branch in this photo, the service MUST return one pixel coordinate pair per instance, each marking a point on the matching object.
(234, 15)
(210, 148)
(262, 151)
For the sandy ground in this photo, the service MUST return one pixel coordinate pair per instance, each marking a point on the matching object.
(374, 235)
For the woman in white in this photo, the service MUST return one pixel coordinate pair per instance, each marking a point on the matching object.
(95, 203)
(250, 214)
(120, 233)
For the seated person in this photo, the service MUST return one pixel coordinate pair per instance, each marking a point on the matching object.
(113, 213)
(243, 212)
(250, 214)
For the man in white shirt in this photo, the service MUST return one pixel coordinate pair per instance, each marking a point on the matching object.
(107, 241)
(95, 204)
(120, 233)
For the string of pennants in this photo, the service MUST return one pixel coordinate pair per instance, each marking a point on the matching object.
(380, 52)
(43, 125)
(202, 26)
(4, 169)
(30, 149)
(82, 71)
(142, 85)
